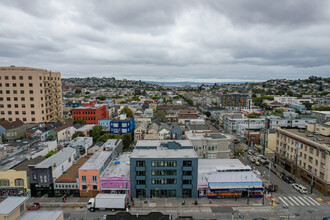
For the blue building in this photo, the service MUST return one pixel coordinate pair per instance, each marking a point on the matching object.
(164, 169)
(122, 126)
(176, 132)
(299, 107)
(105, 122)
(72, 104)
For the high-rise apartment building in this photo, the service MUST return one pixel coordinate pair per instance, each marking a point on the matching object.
(30, 94)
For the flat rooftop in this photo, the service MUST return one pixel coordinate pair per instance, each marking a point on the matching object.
(36, 214)
(321, 140)
(232, 177)
(164, 153)
(57, 158)
(96, 161)
(8, 205)
(210, 136)
(72, 173)
(157, 143)
(119, 167)
(25, 165)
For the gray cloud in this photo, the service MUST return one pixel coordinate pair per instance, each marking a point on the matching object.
(168, 40)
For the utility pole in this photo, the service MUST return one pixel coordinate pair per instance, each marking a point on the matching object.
(248, 132)
(296, 165)
(312, 180)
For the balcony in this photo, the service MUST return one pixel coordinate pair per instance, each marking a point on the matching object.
(187, 177)
(140, 177)
(140, 186)
(186, 186)
(187, 168)
(140, 169)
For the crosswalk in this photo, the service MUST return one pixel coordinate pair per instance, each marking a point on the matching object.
(298, 201)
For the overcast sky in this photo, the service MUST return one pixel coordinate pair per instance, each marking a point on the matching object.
(214, 41)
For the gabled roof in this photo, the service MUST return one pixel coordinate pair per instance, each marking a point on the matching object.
(10, 125)
(153, 126)
(164, 126)
(64, 126)
(5, 124)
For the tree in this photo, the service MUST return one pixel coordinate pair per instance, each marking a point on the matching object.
(80, 121)
(127, 140)
(96, 132)
(239, 152)
(108, 136)
(127, 111)
(78, 134)
(160, 114)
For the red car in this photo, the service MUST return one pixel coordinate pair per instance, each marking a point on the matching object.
(35, 206)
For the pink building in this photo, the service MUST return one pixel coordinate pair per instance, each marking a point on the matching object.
(116, 177)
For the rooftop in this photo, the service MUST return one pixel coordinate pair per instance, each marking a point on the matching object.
(157, 143)
(72, 173)
(8, 205)
(96, 161)
(233, 177)
(57, 158)
(320, 140)
(199, 136)
(119, 167)
(24, 166)
(49, 215)
(164, 153)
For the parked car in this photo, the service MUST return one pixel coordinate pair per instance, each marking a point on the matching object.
(288, 179)
(299, 188)
(35, 206)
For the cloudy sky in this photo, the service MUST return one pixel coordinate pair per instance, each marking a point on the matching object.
(212, 41)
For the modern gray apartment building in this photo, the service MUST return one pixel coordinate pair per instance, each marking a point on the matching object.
(164, 169)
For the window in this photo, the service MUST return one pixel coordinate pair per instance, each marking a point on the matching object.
(322, 175)
(30, 77)
(322, 165)
(4, 182)
(84, 187)
(83, 179)
(22, 91)
(323, 156)
(163, 172)
(140, 173)
(162, 163)
(31, 91)
(311, 150)
(8, 98)
(94, 178)
(33, 119)
(140, 182)
(186, 181)
(6, 77)
(33, 113)
(187, 173)
(140, 163)
(30, 85)
(23, 105)
(31, 99)
(8, 105)
(94, 187)
(23, 99)
(15, 99)
(187, 163)
(14, 84)
(20, 77)
(310, 159)
(7, 84)
(316, 162)
(163, 181)
(13, 77)
(16, 113)
(7, 91)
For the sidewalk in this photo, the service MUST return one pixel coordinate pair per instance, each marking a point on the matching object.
(57, 201)
(202, 202)
(153, 202)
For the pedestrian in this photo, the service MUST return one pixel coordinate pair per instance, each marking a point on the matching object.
(64, 196)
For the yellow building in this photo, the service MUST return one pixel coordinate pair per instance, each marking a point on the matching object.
(323, 129)
(31, 95)
(13, 183)
(12, 208)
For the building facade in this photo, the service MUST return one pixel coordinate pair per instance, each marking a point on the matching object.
(235, 100)
(306, 155)
(91, 114)
(122, 126)
(163, 169)
(30, 94)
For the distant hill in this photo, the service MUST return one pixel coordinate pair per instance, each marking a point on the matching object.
(187, 83)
